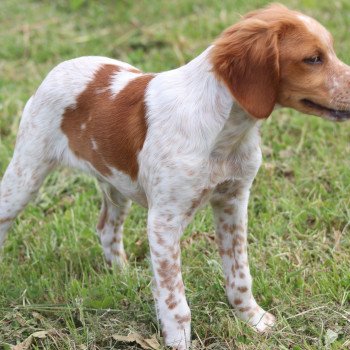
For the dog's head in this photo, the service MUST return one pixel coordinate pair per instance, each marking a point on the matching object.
(276, 56)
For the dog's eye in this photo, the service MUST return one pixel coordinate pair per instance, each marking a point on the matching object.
(313, 60)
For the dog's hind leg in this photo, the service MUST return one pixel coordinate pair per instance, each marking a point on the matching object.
(114, 209)
(25, 173)
(20, 183)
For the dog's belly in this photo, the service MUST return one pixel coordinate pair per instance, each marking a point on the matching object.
(121, 181)
(130, 189)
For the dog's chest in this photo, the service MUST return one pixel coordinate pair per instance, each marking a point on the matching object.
(239, 164)
(236, 153)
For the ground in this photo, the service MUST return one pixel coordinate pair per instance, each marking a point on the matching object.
(52, 274)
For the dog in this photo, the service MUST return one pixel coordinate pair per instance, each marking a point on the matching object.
(175, 140)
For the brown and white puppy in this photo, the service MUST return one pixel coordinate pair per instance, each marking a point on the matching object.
(175, 140)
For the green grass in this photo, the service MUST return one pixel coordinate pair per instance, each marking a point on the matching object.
(52, 273)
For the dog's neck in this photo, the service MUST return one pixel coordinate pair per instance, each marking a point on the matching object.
(223, 122)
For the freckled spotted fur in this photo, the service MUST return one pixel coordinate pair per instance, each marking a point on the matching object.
(175, 140)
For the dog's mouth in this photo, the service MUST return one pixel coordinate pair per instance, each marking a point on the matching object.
(338, 115)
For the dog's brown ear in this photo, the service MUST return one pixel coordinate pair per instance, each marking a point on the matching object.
(246, 58)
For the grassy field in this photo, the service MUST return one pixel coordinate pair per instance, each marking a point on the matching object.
(53, 277)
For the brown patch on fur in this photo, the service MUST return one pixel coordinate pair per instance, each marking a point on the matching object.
(238, 241)
(196, 202)
(226, 227)
(168, 273)
(115, 123)
(116, 240)
(183, 319)
(242, 289)
(228, 211)
(223, 187)
(169, 217)
(103, 215)
(134, 70)
(171, 301)
(237, 301)
(244, 309)
(175, 255)
(180, 287)
(228, 252)
(160, 239)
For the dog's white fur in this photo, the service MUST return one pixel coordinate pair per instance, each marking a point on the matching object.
(200, 145)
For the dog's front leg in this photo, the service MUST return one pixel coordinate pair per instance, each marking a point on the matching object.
(229, 202)
(164, 231)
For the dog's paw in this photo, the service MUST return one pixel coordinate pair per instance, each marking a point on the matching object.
(257, 318)
(263, 321)
(117, 259)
